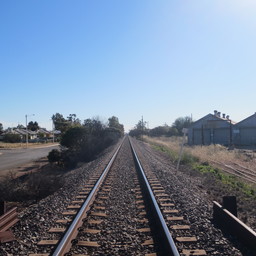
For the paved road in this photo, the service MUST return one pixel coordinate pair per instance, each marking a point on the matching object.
(14, 157)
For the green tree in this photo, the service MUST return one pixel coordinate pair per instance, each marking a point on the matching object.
(1, 128)
(33, 126)
(182, 122)
(73, 120)
(60, 123)
(173, 132)
(139, 129)
(94, 126)
(160, 131)
(74, 138)
(113, 122)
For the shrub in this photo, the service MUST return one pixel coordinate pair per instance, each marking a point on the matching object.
(12, 138)
(34, 186)
(54, 156)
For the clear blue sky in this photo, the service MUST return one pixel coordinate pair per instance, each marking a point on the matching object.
(160, 59)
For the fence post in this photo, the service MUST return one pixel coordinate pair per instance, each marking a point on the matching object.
(229, 203)
(2, 207)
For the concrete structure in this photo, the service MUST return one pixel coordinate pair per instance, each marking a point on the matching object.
(244, 132)
(211, 129)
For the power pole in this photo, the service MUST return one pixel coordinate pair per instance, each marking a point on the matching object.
(142, 126)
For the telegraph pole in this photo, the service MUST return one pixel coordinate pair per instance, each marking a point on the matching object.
(142, 126)
(26, 116)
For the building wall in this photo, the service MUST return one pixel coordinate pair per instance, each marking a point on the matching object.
(245, 132)
(210, 130)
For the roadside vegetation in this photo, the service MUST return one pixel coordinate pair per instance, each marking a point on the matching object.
(175, 129)
(79, 142)
(30, 187)
(7, 145)
(82, 142)
(201, 159)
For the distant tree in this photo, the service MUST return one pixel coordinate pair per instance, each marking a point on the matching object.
(182, 122)
(141, 125)
(74, 138)
(1, 128)
(139, 129)
(173, 131)
(160, 131)
(113, 122)
(60, 123)
(33, 126)
(83, 142)
(73, 120)
(94, 126)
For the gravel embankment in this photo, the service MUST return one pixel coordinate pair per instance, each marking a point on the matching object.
(193, 202)
(119, 235)
(36, 220)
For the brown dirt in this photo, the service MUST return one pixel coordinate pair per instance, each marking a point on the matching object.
(24, 169)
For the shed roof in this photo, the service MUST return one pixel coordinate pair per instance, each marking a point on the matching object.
(213, 117)
(249, 120)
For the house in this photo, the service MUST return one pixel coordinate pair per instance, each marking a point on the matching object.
(31, 134)
(211, 129)
(244, 132)
(43, 133)
(22, 132)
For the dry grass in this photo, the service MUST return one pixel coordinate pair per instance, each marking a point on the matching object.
(215, 153)
(4, 145)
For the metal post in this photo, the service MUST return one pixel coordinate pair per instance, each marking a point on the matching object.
(230, 135)
(52, 131)
(229, 203)
(142, 125)
(2, 207)
(202, 135)
(26, 130)
(185, 131)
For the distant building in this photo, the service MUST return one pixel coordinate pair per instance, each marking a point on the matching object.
(24, 133)
(244, 132)
(211, 129)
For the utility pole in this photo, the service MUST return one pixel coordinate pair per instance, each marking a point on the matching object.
(52, 131)
(185, 132)
(230, 134)
(142, 126)
(27, 129)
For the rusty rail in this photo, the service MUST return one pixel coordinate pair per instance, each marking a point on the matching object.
(233, 225)
(6, 221)
(164, 236)
(65, 243)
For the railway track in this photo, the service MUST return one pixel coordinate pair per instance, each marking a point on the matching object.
(123, 210)
(237, 170)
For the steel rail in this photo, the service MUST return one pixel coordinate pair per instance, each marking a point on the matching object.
(65, 243)
(165, 237)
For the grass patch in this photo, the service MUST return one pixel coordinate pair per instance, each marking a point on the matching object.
(172, 154)
(32, 186)
(226, 179)
(201, 164)
(5, 145)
